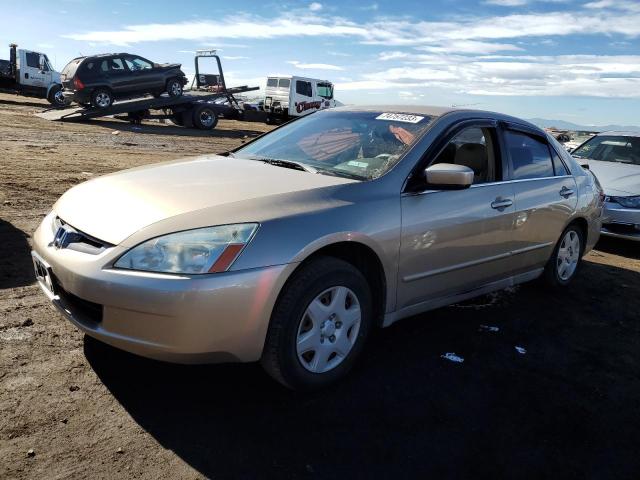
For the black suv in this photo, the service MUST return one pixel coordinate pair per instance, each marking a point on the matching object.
(100, 79)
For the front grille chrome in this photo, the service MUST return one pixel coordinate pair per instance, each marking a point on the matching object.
(76, 239)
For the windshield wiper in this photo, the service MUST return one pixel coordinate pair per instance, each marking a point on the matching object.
(340, 173)
(287, 164)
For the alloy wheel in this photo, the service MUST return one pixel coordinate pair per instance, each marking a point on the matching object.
(328, 329)
(568, 255)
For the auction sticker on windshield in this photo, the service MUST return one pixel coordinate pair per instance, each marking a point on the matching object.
(400, 117)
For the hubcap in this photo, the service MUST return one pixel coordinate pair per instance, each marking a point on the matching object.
(176, 88)
(103, 100)
(206, 119)
(568, 255)
(59, 97)
(328, 329)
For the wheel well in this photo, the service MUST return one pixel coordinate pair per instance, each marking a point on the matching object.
(365, 260)
(583, 225)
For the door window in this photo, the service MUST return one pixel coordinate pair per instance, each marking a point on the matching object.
(303, 88)
(112, 65)
(325, 90)
(530, 157)
(474, 147)
(33, 60)
(137, 63)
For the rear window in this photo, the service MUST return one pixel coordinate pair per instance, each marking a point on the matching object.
(284, 83)
(70, 68)
(272, 82)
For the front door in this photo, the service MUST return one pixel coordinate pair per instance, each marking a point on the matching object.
(454, 241)
(31, 72)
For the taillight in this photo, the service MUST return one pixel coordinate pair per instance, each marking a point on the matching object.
(77, 84)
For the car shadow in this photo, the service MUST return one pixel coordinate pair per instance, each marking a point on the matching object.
(25, 103)
(16, 268)
(561, 404)
(155, 128)
(619, 246)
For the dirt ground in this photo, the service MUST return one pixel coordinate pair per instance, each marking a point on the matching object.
(565, 403)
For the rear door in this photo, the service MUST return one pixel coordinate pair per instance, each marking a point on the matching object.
(545, 196)
(454, 241)
(116, 74)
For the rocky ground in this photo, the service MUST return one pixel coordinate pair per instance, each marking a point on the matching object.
(549, 385)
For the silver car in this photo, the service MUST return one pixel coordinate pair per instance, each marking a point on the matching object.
(614, 157)
(290, 249)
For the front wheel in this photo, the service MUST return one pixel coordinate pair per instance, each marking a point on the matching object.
(565, 260)
(56, 97)
(319, 325)
(174, 88)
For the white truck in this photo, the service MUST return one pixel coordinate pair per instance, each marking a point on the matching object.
(291, 96)
(30, 74)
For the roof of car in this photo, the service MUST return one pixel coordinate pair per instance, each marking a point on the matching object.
(437, 112)
(620, 133)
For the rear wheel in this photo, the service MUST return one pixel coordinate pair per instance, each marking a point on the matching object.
(101, 98)
(55, 97)
(205, 118)
(174, 87)
(319, 325)
(565, 260)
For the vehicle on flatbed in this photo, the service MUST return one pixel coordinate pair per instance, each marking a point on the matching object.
(99, 80)
(291, 96)
(30, 74)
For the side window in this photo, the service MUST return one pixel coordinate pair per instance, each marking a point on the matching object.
(530, 157)
(474, 147)
(284, 83)
(137, 63)
(558, 166)
(325, 90)
(303, 88)
(116, 65)
(33, 60)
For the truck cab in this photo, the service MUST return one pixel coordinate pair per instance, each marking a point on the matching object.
(30, 74)
(292, 96)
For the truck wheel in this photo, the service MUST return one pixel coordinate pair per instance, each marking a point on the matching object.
(174, 88)
(55, 97)
(101, 98)
(205, 118)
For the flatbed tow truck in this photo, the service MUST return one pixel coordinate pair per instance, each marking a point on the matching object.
(200, 107)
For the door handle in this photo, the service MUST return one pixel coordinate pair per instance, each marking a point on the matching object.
(566, 192)
(501, 203)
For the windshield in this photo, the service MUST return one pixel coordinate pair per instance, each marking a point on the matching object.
(361, 145)
(609, 148)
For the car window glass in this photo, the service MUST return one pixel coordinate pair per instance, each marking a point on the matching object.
(611, 148)
(272, 82)
(33, 59)
(473, 147)
(558, 166)
(363, 145)
(43, 63)
(325, 90)
(116, 65)
(137, 63)
(303, 88)
(284, 83)
(530, 157)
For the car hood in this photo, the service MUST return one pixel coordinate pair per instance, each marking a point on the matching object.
(168, 65)
(113, 207)
(616, 178)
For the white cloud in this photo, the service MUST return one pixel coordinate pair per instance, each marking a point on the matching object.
(315, 7)
(235, 57)
(470, 46)
(506, 3)
(314, 66)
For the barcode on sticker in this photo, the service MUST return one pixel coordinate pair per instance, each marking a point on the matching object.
(400, 117)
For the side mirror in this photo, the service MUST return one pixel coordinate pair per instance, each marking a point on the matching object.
(449, 175)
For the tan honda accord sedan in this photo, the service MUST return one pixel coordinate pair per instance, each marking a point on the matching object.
(290, 249)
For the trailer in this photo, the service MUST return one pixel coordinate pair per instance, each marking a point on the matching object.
(30, 74)
(200, 107)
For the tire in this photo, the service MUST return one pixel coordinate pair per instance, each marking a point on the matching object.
(101, 98)
(204, 118)
(292, 328)
(55, 97)
(565, 259)
(174, 87)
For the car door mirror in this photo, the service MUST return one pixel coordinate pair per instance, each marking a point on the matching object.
(448, 176)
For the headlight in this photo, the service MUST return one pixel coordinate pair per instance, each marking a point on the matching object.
(627, 202)
(204, 250)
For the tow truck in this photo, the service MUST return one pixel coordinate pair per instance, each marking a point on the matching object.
(30, 74)
(208, 99)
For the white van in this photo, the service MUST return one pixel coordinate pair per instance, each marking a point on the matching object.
(291, 96)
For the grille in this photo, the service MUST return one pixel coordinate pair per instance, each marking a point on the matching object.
(81, 241)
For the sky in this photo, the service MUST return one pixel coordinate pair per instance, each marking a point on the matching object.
(573, 60)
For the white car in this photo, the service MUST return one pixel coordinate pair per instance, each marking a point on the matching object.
(614, 157)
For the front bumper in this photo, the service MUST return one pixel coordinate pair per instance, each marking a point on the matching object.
(183, 319)
(621, 222)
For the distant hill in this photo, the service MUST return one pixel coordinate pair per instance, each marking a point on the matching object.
(563, 125)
